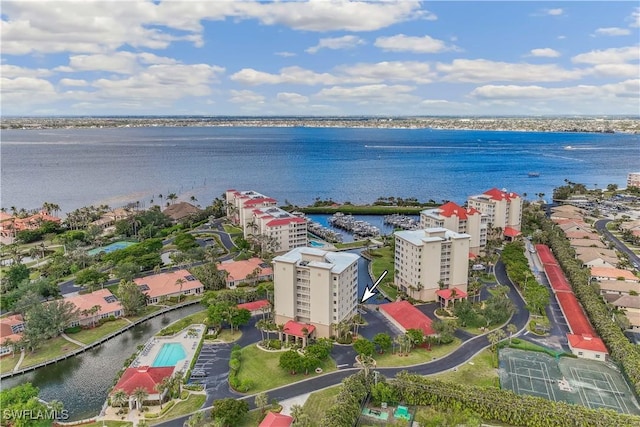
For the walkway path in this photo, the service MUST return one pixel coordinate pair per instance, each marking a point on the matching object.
(68, 338)
(22, 353)
(462, 354)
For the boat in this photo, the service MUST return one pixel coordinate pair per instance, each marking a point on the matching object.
(568, 147)
(534, 174)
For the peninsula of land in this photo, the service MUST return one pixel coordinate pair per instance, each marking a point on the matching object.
(621, 124)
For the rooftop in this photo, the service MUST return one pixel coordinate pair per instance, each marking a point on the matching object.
(336, 261)
(165, 283)
(296, 328)
(613, 273)
(577, 320)
(103, 298)
(408, 316)
(143, 376)
(587, 342)
(254, 305)
(239, 270)
(276, 420)
(435, 234)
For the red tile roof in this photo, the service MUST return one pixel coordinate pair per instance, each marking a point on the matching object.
(258, 201)
(587, 342)
(239, 270)
(6, 332)
(408, 316)
(545, 255)
(285, 221)
(577, 320)
(613, 273)
(511, 232)
(500, 195)
(557, 279)
(446, 293)
(164, 284)
(96, 298)
(143, 376)
(449, 209)
(295, 328)
(276, 420)
(254, 305)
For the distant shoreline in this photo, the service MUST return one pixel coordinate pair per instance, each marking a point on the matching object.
(625, 125)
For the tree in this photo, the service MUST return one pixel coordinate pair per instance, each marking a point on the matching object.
(164, 386)
(512, 329)
(495, 337)
(444, 329)
(179, 283)
(133, 300)
(91, 277)
(140, 394)
(194, 420)
(296, 413)
(229, 412)
(416, 337)
(383, 341)
(119, 398)
(50, 319)
(291, 361)
(238, 317)
(364, 347)
(261, 401)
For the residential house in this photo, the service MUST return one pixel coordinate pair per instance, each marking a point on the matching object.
(11, 328)
(631, 306)
(180, 211)
(159, 287)
(250, 271)
(92, 307)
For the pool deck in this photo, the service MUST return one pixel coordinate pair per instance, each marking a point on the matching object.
(153, 346)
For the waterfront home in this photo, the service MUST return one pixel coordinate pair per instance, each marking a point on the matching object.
(109, 219)
(429, 260)
(10, 225)
(179, 211)
(92, 307)
(315, 287)
(145, 377)
(11, 328)
(461, 220)
(502, 208)
(159, 287)
(246, 271)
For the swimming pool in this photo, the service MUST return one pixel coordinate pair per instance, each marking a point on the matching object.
(315, 244)
(110, 248)
(169, 355)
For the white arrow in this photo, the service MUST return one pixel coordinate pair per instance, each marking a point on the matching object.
(368, 293)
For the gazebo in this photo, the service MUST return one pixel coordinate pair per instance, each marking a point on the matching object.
(298, 330)
(453, 295)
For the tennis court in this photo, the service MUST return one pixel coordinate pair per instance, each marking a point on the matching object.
(589, 383)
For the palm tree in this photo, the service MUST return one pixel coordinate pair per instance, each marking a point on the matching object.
(139, 395)
(119, 398)
(172, 197)
(163, 387)
(296, 412)
(495, 337)
(179, 283)
(57, 407)
(512, 329)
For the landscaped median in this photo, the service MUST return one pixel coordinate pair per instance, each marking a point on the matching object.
(262, 369)
(383, 259)
(416, 356)
(177, 408)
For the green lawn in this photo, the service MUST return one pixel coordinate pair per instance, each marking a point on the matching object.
(88, 336)
(482, 373)
(227, 336)
(348, 245)
(231, 229)
(50, 349)
(318, 402)
(145, 311)
(383, 259)
(195, 318)
(192, 404)
(417, 355)
(262, 368)
(7, 363)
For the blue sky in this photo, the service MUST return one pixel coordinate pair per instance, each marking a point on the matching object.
(320, 57)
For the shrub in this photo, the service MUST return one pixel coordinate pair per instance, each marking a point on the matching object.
(275, 344)
(73, 330)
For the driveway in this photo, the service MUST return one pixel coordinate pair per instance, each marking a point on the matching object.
(601, 226)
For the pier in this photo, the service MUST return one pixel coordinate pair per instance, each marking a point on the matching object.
(402, 221)
(360, 229)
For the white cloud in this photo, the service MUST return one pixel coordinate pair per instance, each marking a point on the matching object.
(404, 43)
(115, 62)
(366, 94)
(285, 54)
(635, 18)
(246, 97)
(344, 42)
(616, 70)
(612, 31)
(443, 106)
(554, 12)
(482, 70)
(625, 89)
(361, 73)
(545, 52)
(73, 82)
(609, 56)
(99, 26)
(10, 71)
(21, 90)
(292, 98)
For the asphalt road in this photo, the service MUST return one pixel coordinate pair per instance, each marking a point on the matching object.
(601, 226)
(461, 355)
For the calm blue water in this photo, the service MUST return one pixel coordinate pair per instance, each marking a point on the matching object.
(169, 355)
(78, 167)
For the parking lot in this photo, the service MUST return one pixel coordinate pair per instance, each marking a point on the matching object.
(213, 361)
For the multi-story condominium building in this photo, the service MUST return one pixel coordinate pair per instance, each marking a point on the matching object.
(503, 210)
(456, 218)
(429, 260)
(286, 231)
(633, 179)
(241, 204)
(315, 287)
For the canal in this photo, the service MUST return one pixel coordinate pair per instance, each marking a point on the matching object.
(82, 382)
